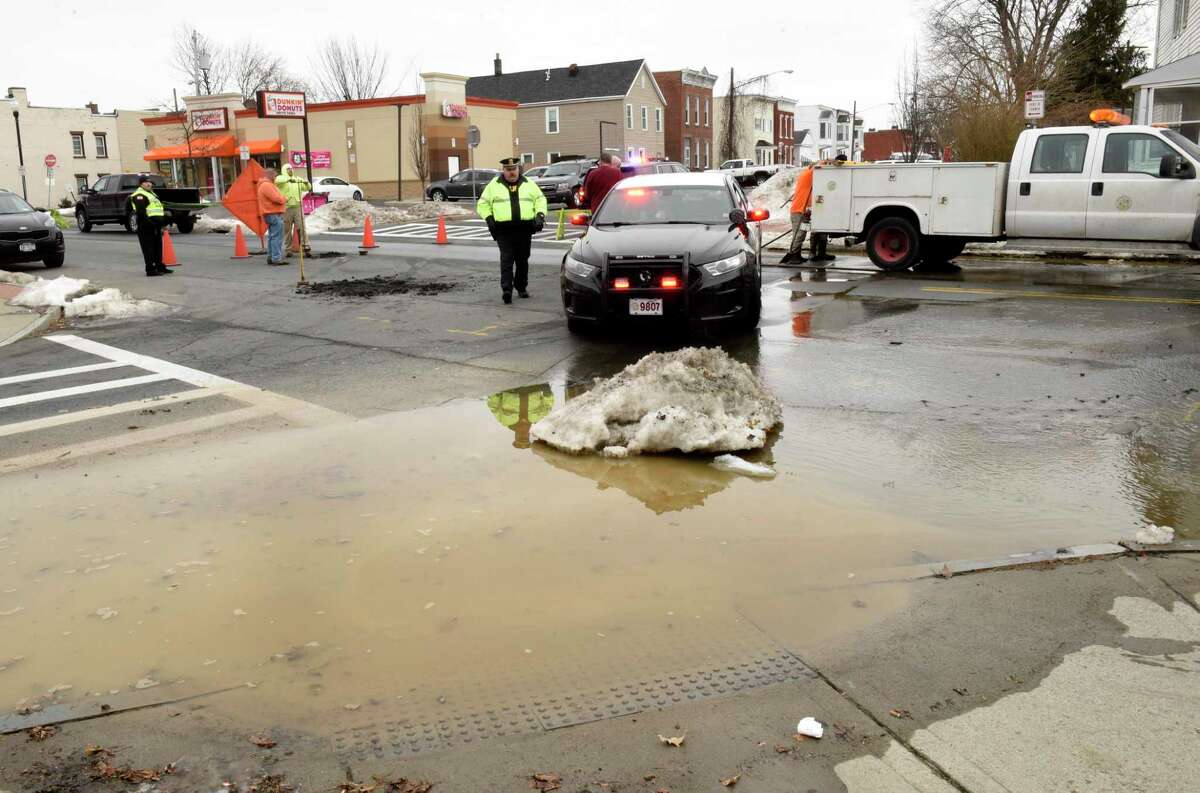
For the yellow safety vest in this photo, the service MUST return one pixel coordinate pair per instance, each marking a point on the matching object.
(293, 188)
(154, 207)
(496, 202)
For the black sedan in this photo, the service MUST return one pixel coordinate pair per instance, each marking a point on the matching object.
(672, 247)
(561, 182)
(463, 186)
(27, 235)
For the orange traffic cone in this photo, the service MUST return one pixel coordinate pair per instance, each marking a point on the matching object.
(368, 241)
(442, 239)
(169, 259)
(240, 251)
(295, 238)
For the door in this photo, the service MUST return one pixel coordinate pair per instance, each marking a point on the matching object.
(95, 202)
(451, 166)
(1128, 200)
(1049, 197)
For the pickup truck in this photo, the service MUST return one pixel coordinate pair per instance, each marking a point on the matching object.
(107, 201)
(748, 172)
(1091, 185)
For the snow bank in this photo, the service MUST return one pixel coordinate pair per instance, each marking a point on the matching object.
(349, 214)
(209, 225)
(20, 279)
(1155, 535)
(78, 298)
(691, 400)
(776, 193)
(736, 465)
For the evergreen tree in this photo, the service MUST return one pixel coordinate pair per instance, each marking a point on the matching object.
(1096, 57)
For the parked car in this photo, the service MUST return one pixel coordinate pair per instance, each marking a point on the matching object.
(667, 248)
(1103, 186)
(464, 185)
(535, 173)
(562, 181)
(336, 188)
(28, 234)
(657, 166)
(107, 201)
(748, 172)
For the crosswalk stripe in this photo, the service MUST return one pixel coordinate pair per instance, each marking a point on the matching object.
(60, 393)
(170, 370)
(62, 419)
(92, 367)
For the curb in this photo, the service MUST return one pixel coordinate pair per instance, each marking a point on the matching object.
(37, 325)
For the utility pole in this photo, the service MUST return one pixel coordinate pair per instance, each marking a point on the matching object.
(853, 130)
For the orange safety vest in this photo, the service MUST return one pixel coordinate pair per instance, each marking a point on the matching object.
(802, 199)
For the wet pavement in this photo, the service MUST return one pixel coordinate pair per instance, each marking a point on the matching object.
(431, 570)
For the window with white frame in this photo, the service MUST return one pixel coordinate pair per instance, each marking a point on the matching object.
(687, 112)
(551, 156)
(527, 158)
(696, 109)
(1180, 20)
(697, 157)
(552, 121)
(628, 116)
(687, 151)
(707, 152)
(658, 119)
(706, 112)
(101, 141)
(824, 131)
(77, 145)
(645, 118)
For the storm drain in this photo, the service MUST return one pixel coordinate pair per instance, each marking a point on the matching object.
(402, 736)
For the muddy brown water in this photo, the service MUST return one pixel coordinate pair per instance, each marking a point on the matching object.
(433, 555)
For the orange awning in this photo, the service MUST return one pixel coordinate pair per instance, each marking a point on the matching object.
(219, 146)
(272, 146)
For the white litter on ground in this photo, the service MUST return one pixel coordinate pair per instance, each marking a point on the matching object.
(78, 298)
(350, 214)
(810, 727)
(690, 400)
(210, 225)
(736, 465)
(1155, 535)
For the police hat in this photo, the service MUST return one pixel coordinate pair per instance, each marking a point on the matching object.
(145, 178)
(510, 162)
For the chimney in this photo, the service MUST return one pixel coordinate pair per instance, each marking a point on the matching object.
(20, 95)
(92, 106)
(573, 69)
(496, 65)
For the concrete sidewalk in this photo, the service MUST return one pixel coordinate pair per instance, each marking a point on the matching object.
(16, 322)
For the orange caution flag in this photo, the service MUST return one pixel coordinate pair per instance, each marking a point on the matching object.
(242, 198)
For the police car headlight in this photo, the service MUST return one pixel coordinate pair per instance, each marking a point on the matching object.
(722, 266)
(580, 269)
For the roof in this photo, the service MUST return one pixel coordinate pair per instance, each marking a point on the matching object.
(546, 86)
(704, 178)
(1183, 71)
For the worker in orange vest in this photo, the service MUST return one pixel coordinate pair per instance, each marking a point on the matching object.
(801, 215)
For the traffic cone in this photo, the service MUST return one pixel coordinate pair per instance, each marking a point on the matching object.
(296, 239)
(368, 240)
(442, 239)
(169, 259)
(240, 251)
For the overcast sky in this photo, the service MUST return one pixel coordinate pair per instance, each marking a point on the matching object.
(118, 53)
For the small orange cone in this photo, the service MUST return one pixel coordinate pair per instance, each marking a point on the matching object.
(169, 259)
(368, 241)
(295, 238)
(240, 251)
(442, 239)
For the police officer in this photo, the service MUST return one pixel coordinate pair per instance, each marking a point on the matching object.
(151, 217)
(515, 210)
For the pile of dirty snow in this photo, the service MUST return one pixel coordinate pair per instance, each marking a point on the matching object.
(20, 279)
(350, 214)
(78, 298)
(776, 193)
(211, 225)
(1155, 535)
(690, 400)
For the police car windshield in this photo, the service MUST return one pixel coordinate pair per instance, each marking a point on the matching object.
(707, 204)
(12, 205)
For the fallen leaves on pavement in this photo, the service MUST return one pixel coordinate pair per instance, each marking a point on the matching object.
(649, 777)
(674, 741)
(731, 781)
(93, 751)
(545, 781)
(898, 713)
(270, 784)
(780, 749)
(42, 733)
(265, 743)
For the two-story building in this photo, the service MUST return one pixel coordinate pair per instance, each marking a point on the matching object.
(754, 120)
(581, 110)
(827, 132)
(1169, 94)
(86, 145)
(689, 129)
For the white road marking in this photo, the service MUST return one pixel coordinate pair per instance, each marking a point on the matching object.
(62, 419)
(92, 367)
(170, 370)
(60, 393)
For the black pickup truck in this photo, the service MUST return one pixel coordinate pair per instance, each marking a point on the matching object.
(107, 201)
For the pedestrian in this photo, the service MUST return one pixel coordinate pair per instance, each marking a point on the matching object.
(271, 205)
(801, 217)
(293, 189)
(515, 210)
(600, 180)
(151, 217)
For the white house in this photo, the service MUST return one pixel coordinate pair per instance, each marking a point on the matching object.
(823, 132)
(1170, 93)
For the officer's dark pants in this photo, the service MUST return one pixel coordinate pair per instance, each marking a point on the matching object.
(150, 238)
(514, 241)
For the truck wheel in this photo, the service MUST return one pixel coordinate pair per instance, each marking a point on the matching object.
(82, 221)
(131, 223)
(761, 177)
(893, 244)
(185, 224)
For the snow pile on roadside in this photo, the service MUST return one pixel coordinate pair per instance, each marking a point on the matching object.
(349, 214)
(690, 400)
(20, 279)
(776, 193)
(1155, 535)
(736, 465)
(210, 225)
(78, 298)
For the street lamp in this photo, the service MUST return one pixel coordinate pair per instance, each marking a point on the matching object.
(761, 77)
(12, 100)
(602, 123)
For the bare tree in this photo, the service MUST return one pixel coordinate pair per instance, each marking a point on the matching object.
(914, 110)
(252, 68)
(348, 69)
(199, 60)
(416, 147)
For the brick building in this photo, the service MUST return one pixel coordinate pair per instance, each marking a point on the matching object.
(785, 131)
(879, 144)
(688, 135)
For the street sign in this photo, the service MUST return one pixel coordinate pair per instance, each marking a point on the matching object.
(472, 136)
(51, 161)
(244, 153)
(1035, 104)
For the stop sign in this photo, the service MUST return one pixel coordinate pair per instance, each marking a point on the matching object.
(51, 161)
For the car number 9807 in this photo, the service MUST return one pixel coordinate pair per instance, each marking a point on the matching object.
(645, 307)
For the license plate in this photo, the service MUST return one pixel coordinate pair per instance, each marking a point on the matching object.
(28, 247)
(645, 308)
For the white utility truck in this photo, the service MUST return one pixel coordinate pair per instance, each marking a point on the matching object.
(1094, 186)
